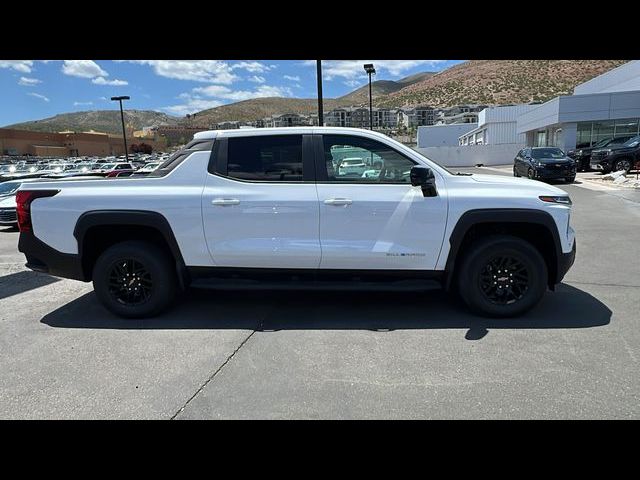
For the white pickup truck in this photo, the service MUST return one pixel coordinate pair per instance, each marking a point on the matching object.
(267, 207)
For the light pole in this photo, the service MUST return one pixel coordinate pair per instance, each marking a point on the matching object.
(369, 68)
(124, 133)
(319, 74)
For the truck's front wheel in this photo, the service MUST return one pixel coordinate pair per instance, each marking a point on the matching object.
(134, 279)
(502, 276)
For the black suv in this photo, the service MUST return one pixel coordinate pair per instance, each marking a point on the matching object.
(544, 163)
(622, 157)
(583, 155)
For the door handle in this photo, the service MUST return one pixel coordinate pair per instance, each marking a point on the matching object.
(225, 201)
(338, 202)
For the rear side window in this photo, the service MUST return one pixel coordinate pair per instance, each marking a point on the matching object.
(272, 158)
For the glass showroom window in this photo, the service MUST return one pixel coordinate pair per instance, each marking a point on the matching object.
(602, 130)
(583, 138)
(625, 128)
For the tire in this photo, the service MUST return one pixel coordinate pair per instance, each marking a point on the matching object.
(622, 164)
(515, 173)
(530, 174)
(570, 179)
(157, 283)
(472, 280)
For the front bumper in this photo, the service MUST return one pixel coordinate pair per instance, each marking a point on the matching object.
(8, 216)
(42, 258)
(565, 261)
(553, 174)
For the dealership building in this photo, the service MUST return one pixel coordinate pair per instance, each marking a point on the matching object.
(64, 144)
(604, 107)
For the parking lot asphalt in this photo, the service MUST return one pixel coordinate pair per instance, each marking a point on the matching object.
(317, 355)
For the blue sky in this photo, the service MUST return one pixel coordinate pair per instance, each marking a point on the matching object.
(33, 89)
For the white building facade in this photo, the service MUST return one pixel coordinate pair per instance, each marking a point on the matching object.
(607, 106)
(497, 126)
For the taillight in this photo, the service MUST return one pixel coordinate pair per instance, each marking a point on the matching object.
(23, 208)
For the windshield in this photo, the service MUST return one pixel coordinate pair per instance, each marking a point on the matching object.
(107, 166)
(8, 188)
(547, 153)
(632, 142)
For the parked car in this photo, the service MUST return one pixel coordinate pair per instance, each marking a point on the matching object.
(500, 242)
(148, 167)
(544, 163)
(8, 191)
(114, 169)
(621, 157)
(583, 155)
(352, 166)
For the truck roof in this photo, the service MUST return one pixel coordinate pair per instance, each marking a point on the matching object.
(211, 134)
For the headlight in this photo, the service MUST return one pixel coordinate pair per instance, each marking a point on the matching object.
(579, 153)
(539, 164)
(564, 199)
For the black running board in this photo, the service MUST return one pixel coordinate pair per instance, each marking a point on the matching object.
(244, 284)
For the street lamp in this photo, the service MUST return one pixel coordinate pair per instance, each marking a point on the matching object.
(124, 133)
(369, 68)
(320, 110)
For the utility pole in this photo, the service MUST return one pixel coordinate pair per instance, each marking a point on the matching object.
(124, 133)
(369, 68)
(320, 111)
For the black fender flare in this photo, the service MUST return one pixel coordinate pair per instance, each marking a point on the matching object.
(155, 220)
(500, 215)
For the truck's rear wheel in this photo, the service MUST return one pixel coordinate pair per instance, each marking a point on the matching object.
(502, 276)
(134, 279)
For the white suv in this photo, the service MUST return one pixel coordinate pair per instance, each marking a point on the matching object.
(268, 207)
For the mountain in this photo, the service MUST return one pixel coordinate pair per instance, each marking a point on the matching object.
(257, 108)
(380, 88)
(493, 82)
(105, 121)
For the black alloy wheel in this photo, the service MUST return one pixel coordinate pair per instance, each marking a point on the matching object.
(135, 279)
(504, 280)
(130, 283)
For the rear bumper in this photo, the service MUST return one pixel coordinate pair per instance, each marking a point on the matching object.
(42, 258)
(565, 262)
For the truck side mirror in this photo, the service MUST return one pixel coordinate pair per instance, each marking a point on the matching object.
(423, 177)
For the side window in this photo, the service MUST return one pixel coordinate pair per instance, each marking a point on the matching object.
(273, 158)
(353, 159)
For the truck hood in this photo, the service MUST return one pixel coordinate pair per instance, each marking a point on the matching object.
(543, 188)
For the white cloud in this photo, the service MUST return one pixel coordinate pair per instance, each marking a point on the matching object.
(353, 83)
(253, 67)
(104, 81)
(210, 71)
(351, 69)
(193, 105)
(293, 78)
(23, 66)
(257, 79)
(218, 91)
(80, 104)
(37, 95)
(202, 98)
(83, 69)
(29, 82)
